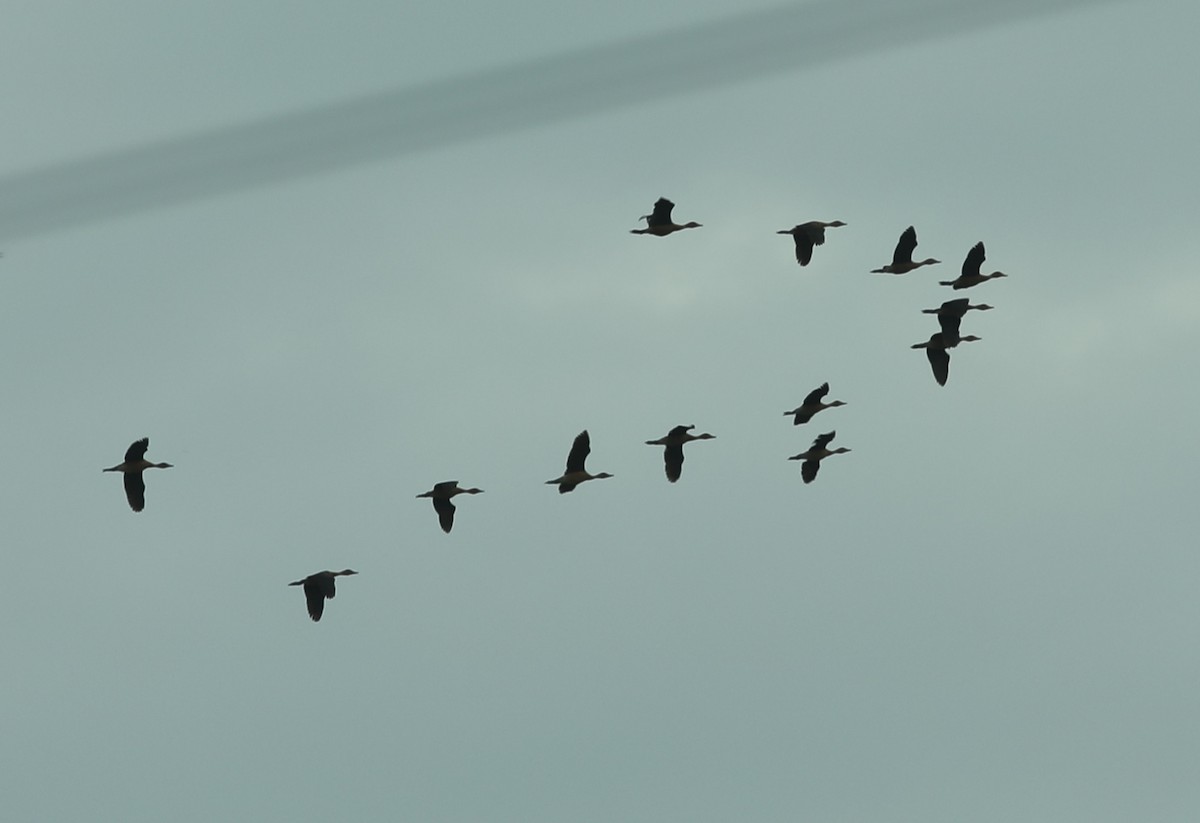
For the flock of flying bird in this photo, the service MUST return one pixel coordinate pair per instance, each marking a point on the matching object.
(949, 314)
(320, 586)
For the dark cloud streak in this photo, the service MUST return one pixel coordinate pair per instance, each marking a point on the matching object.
(486, 103)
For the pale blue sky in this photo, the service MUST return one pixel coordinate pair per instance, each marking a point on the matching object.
(984, 612)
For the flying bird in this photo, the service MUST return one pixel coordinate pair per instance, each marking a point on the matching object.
(812, 404)
(673, 452)
(956, 308)
(134, 464)
(317, 588)
(808, 235)
(815, 454)
(659, 222)
(576, 473)
(937, 350)
(950, 316)
(970, 275)
(442, 504)
(902, 261)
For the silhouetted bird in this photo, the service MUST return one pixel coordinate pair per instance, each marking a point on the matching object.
(659, 221)
(954, 309)
(441, 494)
(576, 473)
(808, 235)
(812, 404)
(939, 358)
(673, 452)
(970, 275)
(317, 588)
(133, 466)
(902, 261)
(815, 454)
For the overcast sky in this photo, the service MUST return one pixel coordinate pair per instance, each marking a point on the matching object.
(984, 612)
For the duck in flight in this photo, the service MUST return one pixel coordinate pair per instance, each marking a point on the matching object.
(317, 588)
(659, 222)
(134, 464)
(808, 235)
(815, 454)
(902, 261)
(442, 504)
(576, 473)
(937, 350)
(970, 275)
(812, 404)
(950, 317)
(956, 308)
(673, 442)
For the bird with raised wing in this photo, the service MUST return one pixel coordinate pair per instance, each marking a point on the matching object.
(318, 588)
(673, 442)
(134, 464)
(576, 473)
(442, 504)
(902, 261)
(659, 222)
(815, 454)
(808, 235)
(970, 275)
(812, 404)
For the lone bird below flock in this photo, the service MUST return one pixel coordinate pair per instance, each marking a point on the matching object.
(902, 261)
(576, 473)
(317, 588)
(970, 275)
(673, 452)
(659, 221)
(937, 350)
(808, 235)
(815, 454)
(441, 494)
(134, 464)
(812, 404)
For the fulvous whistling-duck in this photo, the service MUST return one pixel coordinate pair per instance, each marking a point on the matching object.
(133, 466)
(808, 235)
(950, 317)
(659, 221)
(812, 404)
(673, 451)
(815, 454)
(576, 473)
(318, 587)
(937, 350)
(970, 275)
(441, 494)
(902, 261)
(956, 308)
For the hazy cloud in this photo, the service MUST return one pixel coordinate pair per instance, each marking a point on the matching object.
(485, 103)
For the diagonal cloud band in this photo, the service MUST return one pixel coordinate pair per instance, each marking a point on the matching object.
(486, 103)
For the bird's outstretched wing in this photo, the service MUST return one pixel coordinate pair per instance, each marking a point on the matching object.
(673, 461)
(905, 247)
(135, 490)
(444, 507)
(580, 449)
(939, 361)
(975, 258)
(137, 450)
(809, 469)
